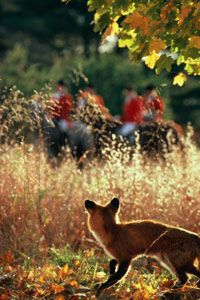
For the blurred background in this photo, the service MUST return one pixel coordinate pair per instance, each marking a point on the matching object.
(44, 41)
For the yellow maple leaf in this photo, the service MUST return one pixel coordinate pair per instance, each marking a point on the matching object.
(151, 60)
(157, 45)
(194, 42)
(179, 79)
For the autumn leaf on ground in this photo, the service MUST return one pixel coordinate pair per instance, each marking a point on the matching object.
(73, 283)
(7, 258)
(49, 271)
(168, 283)
(180, 79)
(56, 288)
(64, 272)
(60, 297)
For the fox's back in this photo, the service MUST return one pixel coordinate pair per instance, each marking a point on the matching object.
(149, 237)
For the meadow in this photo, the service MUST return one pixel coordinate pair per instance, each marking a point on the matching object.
(46, 249)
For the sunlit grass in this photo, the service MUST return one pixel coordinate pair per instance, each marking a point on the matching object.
(42, 206)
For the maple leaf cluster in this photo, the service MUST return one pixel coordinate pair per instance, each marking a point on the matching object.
(162, 33)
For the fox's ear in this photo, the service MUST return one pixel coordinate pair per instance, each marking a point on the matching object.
(114, 204)
(89, 205)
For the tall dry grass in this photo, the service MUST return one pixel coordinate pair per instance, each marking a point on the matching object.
(41, 206)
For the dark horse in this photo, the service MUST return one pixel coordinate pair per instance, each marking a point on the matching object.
(77, 138)
(104, 131)
(158, 139)
(155, 139)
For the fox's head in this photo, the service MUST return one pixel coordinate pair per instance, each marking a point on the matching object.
(101, 218)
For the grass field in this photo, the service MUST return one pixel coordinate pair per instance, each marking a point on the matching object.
(46, 249)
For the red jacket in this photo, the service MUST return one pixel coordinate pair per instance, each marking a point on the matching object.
(155, 104)
(133, 111)
(62, 104)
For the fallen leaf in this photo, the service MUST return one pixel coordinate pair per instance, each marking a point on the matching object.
(60, 297)
(63, 272)
(7, 258)
(56, 288)
(73, 283)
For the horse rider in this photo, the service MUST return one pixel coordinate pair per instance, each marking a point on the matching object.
(62, 103)
(132, 112)
(154, 105)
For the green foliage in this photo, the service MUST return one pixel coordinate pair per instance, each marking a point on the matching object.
(153, 30)
(17, 70)
(115, 71)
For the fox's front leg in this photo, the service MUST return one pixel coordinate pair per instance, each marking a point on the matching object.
(112, 269)
(112, 266)
(123, 268)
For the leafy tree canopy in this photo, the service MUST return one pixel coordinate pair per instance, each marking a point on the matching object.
(162, 33)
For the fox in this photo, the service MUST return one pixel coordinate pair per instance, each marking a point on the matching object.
(175, 248)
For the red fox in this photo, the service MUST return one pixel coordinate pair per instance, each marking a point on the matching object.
(175, 247)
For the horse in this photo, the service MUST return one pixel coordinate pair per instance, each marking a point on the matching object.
(155, 139)
(104, 130)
